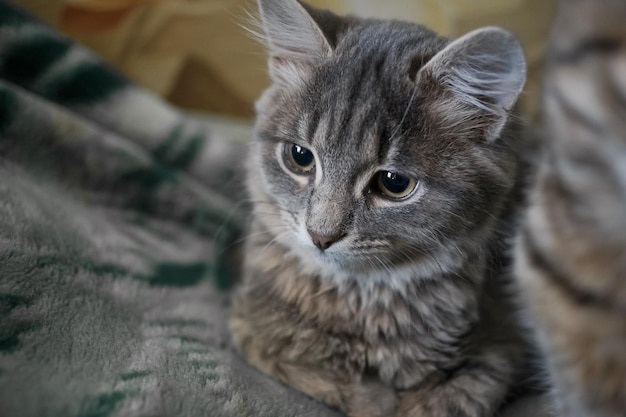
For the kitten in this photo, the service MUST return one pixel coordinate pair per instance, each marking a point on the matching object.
(383, 176)
(571, 253)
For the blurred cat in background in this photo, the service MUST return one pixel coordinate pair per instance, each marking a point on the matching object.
(571, 249)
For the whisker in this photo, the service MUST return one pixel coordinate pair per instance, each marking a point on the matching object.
(273, 242)
(406, 112)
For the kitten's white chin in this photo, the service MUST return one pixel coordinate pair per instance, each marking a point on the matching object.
(340, 265)
(337, 262)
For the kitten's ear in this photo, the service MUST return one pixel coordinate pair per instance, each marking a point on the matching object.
(482, 74)
(295, 40)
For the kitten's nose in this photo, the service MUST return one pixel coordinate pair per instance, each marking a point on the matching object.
(324, 242)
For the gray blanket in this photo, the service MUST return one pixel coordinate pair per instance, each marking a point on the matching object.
(120, 219)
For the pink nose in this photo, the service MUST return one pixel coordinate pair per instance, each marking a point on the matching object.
(324, 242)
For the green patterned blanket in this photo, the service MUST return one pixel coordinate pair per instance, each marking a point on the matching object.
(120, 219)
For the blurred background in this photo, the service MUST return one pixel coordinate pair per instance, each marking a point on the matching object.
(196, 54)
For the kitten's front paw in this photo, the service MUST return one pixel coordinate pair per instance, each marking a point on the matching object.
(417, 404)
(372, 399)
(438, 402)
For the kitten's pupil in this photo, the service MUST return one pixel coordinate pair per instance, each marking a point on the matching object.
(302, 156)
(395, 185)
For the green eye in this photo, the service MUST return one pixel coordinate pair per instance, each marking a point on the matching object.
(299, 159)
(395, 186)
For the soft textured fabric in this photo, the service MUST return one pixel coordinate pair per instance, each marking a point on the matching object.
(120, 219)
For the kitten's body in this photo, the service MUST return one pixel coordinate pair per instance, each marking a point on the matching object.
(571, 252)
(406, 311)
(359, 347)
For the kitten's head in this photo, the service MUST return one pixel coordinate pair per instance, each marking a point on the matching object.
(378, 142)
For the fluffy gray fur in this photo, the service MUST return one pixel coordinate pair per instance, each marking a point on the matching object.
(407, 312)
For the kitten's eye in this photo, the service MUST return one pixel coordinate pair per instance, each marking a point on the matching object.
(394, 185)
(299, 159)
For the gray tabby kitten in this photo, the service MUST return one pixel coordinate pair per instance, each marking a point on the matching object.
(382, 177)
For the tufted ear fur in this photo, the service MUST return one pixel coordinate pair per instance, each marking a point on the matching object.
(295, 40)
(482, 74)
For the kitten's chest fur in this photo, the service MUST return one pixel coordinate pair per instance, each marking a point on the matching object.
(402, 333)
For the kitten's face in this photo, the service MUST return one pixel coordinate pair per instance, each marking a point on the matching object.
(354, 171)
